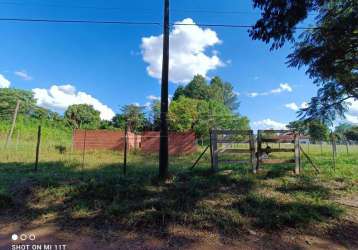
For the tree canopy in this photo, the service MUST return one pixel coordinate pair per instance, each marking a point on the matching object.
(329, 50)
(135, 117)
(9, 98)
(318, 131)
(83, 116)
(216, 90)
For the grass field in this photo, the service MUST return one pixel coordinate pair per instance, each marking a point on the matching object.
(194, 208)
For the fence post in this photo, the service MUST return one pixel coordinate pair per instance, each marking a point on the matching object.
(8, 139)
(334, 150)
(259, 145)
(211, 149)
(215, 151)
(84, 149)
(347, 147)
(297, 154)
(125, 149)
(38, 147)
(252, 151)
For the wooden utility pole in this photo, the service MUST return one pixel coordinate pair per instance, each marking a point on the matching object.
(163, 151)
(13, 124)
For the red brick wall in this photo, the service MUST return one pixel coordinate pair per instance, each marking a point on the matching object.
(98, 139)
(179, 143)
(148, 142)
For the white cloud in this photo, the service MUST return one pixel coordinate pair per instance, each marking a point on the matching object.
(284, 87)
(352, 119)
(268, 124)
(4, 83)
(153, 98)
(187, 52)
(352, 114)
(293, 106)
(253, 94)
(23, 75)
(58, 98)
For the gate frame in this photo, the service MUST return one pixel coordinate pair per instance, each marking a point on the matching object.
(214, 146)
(295, 141)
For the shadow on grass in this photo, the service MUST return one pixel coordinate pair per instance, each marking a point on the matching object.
(273, 171)
(271, 214)
(307, 186)
(105, 200)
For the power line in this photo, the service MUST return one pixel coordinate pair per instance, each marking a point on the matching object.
(78, 21)
(72, 6)
(202, 11)
(135, 23)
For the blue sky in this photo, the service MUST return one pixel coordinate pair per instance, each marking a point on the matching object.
(105, 64)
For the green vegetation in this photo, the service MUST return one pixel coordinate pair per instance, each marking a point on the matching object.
(232, 201)
(83, 116)
(327, 51)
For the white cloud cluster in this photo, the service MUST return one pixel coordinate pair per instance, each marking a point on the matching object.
(188, 44)
(58, 98)
(153, 98)
(23, 75)
(284, 87)
(293, 106)
(268, 124)
(4, 83)
(352, 114)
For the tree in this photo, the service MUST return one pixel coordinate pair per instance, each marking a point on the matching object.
(135, 117)
(155, 115)
(299, 126)
(83, 116)
(352, 134)
(341, 129)
(200, 116)
(223, 92)
(328, 51)
(9, 98)
(196, 89)
(183, 114)
(318, 131)
(119, 121)
(217, 90)
(180, 91)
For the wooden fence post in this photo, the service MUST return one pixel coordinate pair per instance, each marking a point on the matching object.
(125, 149)
(252, 151)
(334, 150)
(259, 149)
(347, 147)
(38, 147)
(215, 151)
(8, 139)
(297, 154)
(211, 149)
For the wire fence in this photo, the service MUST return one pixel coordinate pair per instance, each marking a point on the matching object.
(90, 150)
